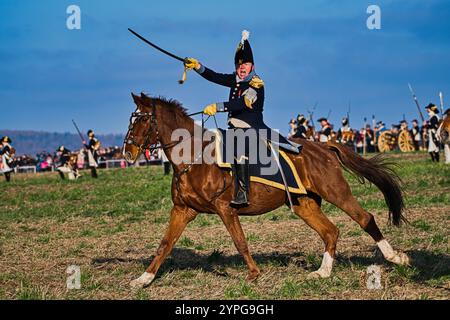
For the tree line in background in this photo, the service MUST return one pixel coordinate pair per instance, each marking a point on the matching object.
(33, 142)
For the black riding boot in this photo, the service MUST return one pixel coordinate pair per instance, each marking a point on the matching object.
(8, 176)
(61, 174)
(94, 173)
(241, 184)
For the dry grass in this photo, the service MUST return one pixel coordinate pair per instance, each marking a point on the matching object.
(112, 249)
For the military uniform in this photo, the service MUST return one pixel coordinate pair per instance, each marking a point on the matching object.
(416, 134)
(325, 132)
(301, 127)
(92, 152)
(7, 153)
(65, 164)
(433, 124)
(245, 107)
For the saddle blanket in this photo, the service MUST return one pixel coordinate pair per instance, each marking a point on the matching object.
(265, 168)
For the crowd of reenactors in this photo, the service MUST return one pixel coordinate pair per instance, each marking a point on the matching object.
(65, 161)
(423, 136)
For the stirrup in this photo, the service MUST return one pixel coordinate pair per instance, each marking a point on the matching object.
(240, 199)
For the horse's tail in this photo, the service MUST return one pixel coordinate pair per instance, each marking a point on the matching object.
(377, 170)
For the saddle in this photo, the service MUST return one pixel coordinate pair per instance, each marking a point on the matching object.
(270, 162)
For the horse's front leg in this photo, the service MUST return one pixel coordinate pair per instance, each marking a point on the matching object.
(233, 225)
(179, 218)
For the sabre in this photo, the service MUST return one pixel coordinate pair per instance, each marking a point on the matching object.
(417, 102)
(163, 51)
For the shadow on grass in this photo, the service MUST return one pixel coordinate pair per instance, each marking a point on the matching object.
(185, 259)
(427, 265)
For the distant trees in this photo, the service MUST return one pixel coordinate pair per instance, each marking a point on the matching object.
(33, 142)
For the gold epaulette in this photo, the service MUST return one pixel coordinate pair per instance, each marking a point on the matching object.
(256, 82)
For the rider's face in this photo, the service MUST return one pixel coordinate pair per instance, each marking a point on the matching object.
(243, 70)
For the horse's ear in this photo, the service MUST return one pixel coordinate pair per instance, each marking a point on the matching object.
(146, 100)
(136, 99)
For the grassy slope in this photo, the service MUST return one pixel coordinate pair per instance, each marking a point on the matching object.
(112, 226)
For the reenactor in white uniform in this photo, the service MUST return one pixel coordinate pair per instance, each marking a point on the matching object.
(7, 153)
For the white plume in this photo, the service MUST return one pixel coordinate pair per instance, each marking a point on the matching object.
(245, 36)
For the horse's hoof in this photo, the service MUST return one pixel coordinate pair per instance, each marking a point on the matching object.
(252, 276)
(318, 274)
(144, 280)
(400, 258)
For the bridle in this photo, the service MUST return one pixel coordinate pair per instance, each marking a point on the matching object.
(130, 140)
(146, 145)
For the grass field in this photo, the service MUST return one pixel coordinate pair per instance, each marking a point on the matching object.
(111, 227)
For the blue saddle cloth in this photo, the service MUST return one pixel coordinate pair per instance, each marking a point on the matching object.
(265, 157)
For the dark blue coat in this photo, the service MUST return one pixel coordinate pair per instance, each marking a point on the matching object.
(236, 106)
(245, 102)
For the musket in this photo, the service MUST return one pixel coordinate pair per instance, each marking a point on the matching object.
(329, 113)
(163, 51)
(311, 116)
(441, 99)
(373, 129)
(417, 102)
(78, 130)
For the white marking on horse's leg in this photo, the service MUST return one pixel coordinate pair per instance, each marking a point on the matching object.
(325, 268)
(392, 255)
(144, 280)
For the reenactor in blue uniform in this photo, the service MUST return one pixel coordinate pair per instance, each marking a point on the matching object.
(433, 124)
(244, 106)
(301, 127)
(416, 134)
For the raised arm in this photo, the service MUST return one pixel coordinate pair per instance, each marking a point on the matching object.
(223, 79)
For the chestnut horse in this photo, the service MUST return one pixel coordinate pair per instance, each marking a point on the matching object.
(206, 188)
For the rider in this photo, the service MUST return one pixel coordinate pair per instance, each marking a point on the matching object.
(245, 106)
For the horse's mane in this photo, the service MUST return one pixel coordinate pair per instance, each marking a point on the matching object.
(172, 104)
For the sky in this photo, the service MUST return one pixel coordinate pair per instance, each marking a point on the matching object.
(306, 52)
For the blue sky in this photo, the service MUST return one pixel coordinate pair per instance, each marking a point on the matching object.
(305, 51)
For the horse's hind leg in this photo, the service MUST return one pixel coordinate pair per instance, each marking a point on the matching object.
(179, 218)
(309, 210)
(346, 202)
(231, 221)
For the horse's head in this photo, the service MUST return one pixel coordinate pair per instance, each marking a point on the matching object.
(142, 129)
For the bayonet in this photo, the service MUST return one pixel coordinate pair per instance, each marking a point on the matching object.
(417, 102)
